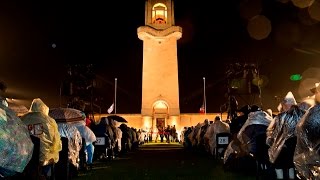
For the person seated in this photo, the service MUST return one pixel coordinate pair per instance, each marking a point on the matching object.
(307, 152)
(41, 125)
(257, 123)
(239, 121)
(281, 137)
(216, 127)
(16, 147)
(201, 133)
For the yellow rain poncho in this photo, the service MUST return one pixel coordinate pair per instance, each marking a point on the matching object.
(43, 126)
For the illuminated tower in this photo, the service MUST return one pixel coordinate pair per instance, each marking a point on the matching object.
(160, 86)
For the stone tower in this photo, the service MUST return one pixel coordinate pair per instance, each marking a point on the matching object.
(160, 86)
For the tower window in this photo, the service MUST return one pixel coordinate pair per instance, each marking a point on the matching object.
(159, 14)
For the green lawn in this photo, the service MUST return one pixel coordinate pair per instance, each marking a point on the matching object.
(162, 161)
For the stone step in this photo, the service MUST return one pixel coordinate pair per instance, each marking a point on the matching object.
(160, 146)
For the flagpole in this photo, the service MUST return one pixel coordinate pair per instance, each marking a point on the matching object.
(204, 95)
(115, 95)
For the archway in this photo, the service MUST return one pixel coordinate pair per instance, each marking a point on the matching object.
(159, 14)
(160, 114)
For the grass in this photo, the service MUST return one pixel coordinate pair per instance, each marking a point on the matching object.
(156, 161)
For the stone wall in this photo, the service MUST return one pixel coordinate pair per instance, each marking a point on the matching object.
(185, 120)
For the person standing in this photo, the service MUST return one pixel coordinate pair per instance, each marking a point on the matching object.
(89, 137)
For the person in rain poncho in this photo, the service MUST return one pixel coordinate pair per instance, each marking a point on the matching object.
(281, 136)
(187, 142)
(125, 138)
(182, 135)
(192, 136)
(257, 124)
(15, 143)
(307, 103)
(239, 121)
(307, 153)
(118, 136)
(88, 136)
(41, 125)
(216, 127)
(74, 139)
(201, 133)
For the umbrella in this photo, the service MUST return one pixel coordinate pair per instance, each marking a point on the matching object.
(117, 118)
(66, 114)
(18, 108)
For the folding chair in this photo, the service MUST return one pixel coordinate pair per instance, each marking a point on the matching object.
(222, 142)
(102, 147)
(262, 158)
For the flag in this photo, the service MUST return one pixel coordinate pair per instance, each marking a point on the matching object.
(202, 110)
(111, 108)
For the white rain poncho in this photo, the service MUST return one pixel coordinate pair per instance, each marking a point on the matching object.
(254, 118)
(85, 131)
(74, 141)
(281, 129)
(307, 152)
(119, 137)
(41, 125)
(217, 127)
(307, 103)
(182, 135)
(234, 148)
(16, 146)
(201, 132)
(192, 136)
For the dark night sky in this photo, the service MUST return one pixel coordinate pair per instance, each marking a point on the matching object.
(104, 34)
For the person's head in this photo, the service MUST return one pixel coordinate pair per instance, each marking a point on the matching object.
(206, 121)
(288, 101)
(269, 111)
(3, 89)
(217, 118)
(3, 101)
(305, 105)
(244, 110)
(38, 105)
(316, 92)
(255, 108)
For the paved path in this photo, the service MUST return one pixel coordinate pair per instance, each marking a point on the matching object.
(163, 162)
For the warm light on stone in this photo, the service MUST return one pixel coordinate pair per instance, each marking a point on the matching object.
(160, 84)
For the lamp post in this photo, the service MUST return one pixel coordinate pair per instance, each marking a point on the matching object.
(115, 95)
(204, 96)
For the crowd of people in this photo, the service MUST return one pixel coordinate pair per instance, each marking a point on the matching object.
(202, 137)
(285, 145)
(40, 143)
